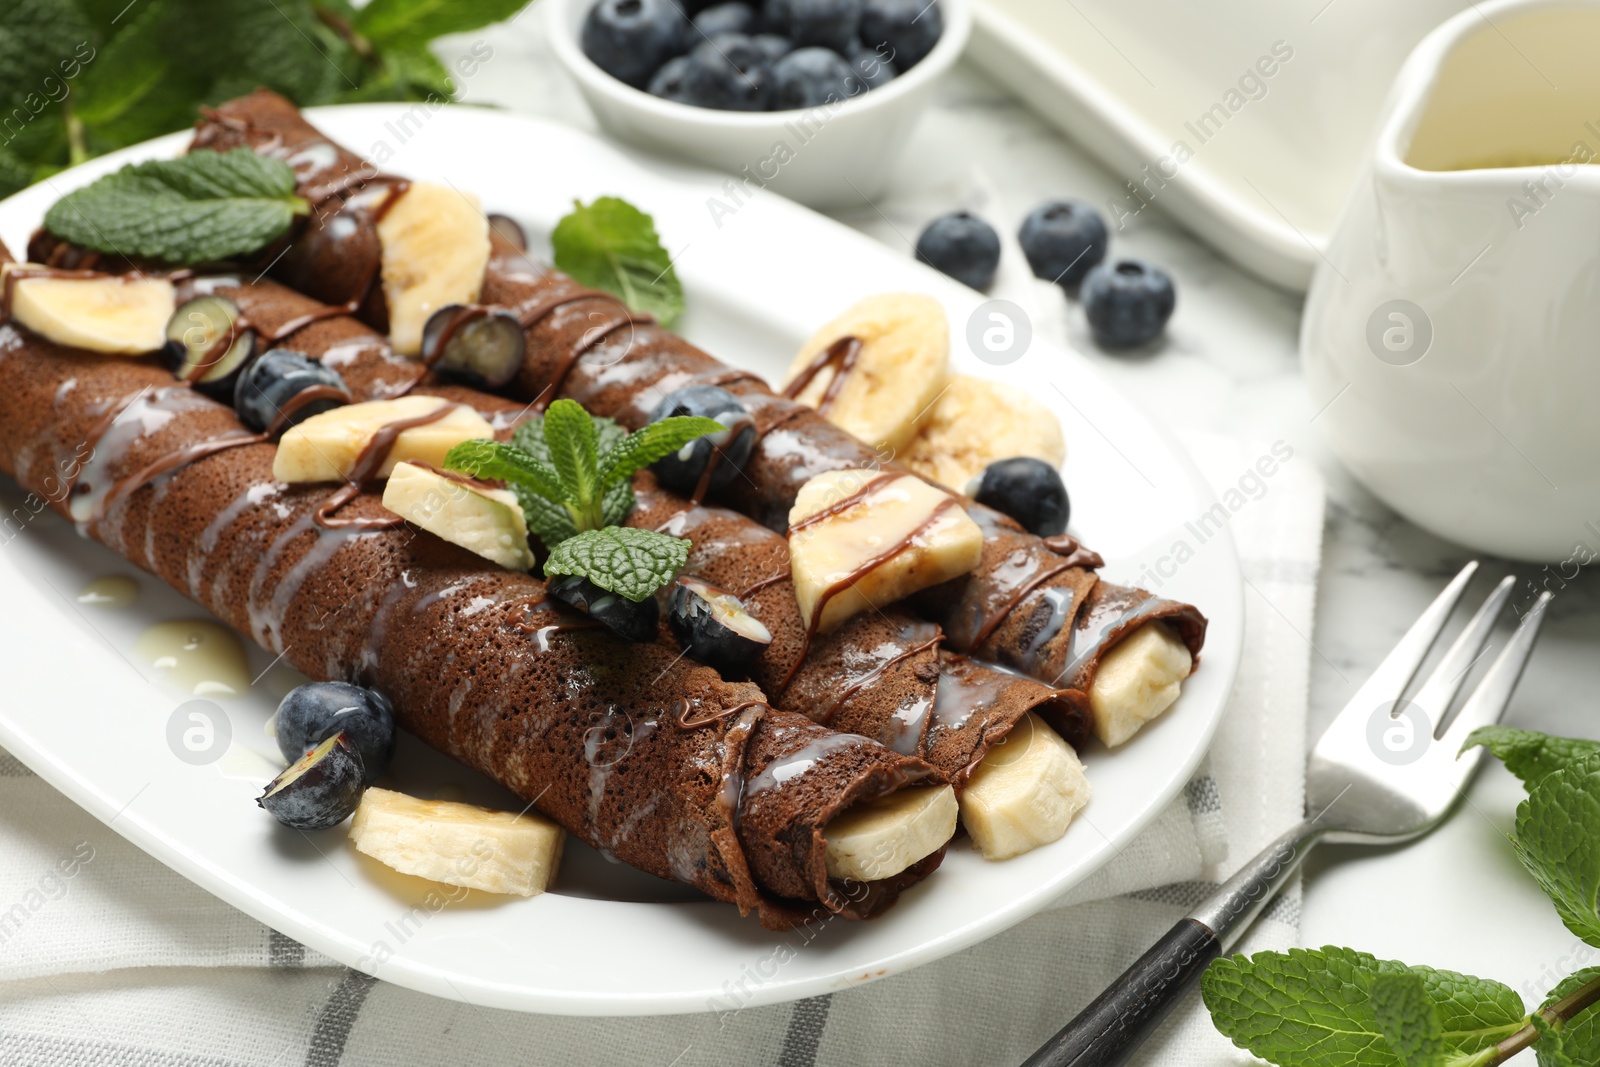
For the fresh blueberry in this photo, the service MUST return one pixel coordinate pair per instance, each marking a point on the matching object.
(874, 69)
(320, 789)
(671, 82)
(1063, 239)
(208, 345)
(962, 246)
(811, 77)
(1027, 489)
(714, 627)
(726, 18)
(478, 345)
(909, 27)
(1127, 302)
(683, 470)
(266, 392)
(728, 72)
(628, 619)
(825, 23)
(314, 712)
(773, 46)
(629, 39)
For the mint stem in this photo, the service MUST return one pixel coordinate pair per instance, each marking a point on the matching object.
(1574, 1003)
(77, 149)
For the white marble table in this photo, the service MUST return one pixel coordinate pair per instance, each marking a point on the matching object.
(1457, 899)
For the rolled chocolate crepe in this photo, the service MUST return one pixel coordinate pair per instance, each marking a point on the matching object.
(1032, 604)
(658, 762)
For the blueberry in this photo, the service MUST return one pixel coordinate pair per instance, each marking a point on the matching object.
(266, 394)
(478, 345)
(729, 72)
(725, 18)
(962, 246)
(320, 789)
(811, 77)
(208, 346)
(909, 27)
(874, 69)
(773, 46)
(825, 23)
(628, 619)
(1027, 489)
(683, 470)
(629, 39)
(314, 712)
(1127, 302)
(1063, 239)
(671, 82)
(714, 627)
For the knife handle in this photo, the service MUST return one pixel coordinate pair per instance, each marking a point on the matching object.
(1119, 1020)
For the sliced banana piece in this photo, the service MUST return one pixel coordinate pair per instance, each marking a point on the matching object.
(1137, 680)
(1024, 793)
(882, 838)
(902, 365)
(117, 314)
(860, 539)
(435, 247)
(326, 447)
(458, 844)
(976, 422)
(479, 519)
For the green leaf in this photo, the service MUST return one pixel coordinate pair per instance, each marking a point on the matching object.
(1577, 1041)
(652, 442)
(574, 441)
(135, 89)
(549, 522)
(408, 23)
(1530, 755)
(403, 73)
(632, 563)
(43, 44)
(1558, 840)
(612, 245)
(529, 436)
(1407, 1019)
(280, 44)
(507, 463)
(197, 208)
(1316, 1008)
(617, 502)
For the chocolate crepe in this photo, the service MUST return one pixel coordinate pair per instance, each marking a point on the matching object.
(1032, 604)
(477, 662)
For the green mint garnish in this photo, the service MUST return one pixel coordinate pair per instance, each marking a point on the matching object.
(1530, 755)
(612, 245)
(197, 208)
(1558, 841)
(573, 476)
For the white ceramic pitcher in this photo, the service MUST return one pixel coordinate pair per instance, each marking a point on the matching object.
(1453, 329)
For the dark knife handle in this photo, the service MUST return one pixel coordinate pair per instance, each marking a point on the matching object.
(1107, 1031)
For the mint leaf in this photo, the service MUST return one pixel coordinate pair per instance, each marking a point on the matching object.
(1530, 755)
(617, 502)
(574, 442)
(632, 563)
(1407, 1018)
(529, 436)
(403, 73)
(198, 208)
(1556, 840)
(1315, 1007)
(652, 442)
(1577, 1041)
(507, 463)
(612, 245)
(135, 89)
(548, 521)
(408, 23)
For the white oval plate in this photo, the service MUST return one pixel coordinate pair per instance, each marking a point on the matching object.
(88, 716)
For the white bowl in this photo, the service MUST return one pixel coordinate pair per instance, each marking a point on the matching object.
(828, 156)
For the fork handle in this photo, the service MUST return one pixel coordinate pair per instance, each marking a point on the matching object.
(1108, 1031)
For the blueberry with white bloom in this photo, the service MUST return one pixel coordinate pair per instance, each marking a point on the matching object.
(1127, 302)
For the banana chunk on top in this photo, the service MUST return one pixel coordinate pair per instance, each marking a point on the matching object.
(1138, 679)
(1024, 793)
(326, 447)
(435, 242)
(116, 314)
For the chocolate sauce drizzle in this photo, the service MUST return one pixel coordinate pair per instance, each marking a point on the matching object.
(878, 672)
(841, 356)
(373, 455)
(687, 722)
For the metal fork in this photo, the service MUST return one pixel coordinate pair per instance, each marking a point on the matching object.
(1386, 771)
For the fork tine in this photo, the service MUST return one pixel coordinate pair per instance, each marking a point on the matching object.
(1394, 674)
(1488, 702)
(1439, 691)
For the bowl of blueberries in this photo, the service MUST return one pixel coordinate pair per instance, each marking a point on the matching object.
(813, 99)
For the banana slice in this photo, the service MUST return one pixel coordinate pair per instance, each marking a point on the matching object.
(478, 518)
(844, 529)
(458, 844)
(1024, 793)
(1137, 680)
(435, 247)
(326, 447)
(903, 363)
(976, 422)
(120, 315)
(883, 838)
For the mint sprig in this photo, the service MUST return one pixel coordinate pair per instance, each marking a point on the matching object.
(1334, 1006)
(572, 474)
(197, 208)
(612, 245)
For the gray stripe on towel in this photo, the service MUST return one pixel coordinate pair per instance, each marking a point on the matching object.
(337, 1017)
(804, 1036)
(284, 951)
